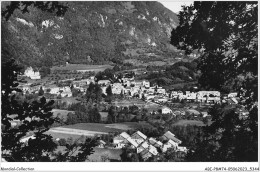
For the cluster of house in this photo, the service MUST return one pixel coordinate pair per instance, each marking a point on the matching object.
(148, 147)
(52, 89)
(142, 89)
(63, 91)
(131, 87)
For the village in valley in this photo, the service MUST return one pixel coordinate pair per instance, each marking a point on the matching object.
(126, 102)
(129, 81)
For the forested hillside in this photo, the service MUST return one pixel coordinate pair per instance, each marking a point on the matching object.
(89, 32)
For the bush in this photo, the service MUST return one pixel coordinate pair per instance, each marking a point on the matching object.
(62, 142)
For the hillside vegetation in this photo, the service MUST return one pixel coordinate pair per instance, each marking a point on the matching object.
(89, 33)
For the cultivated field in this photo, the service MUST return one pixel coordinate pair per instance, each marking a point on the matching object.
(92, 129)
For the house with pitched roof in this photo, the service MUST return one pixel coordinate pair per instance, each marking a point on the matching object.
(155, 142)
(121, 140)
(153, 150)
(166, 110)
(182, 149)
(142, 147)
(169, 144)
(104, 82)
(132, 143)
(146, 154)
(168, 135)
(138, 137)
(101, 144)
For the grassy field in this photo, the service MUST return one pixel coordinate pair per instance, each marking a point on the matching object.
(129, 102)
(63, 135)
(189, 122)
(82, 67)
(92, 129)
(116, 127)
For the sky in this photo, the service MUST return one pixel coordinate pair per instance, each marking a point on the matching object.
(174, 6)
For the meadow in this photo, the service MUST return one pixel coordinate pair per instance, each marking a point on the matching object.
(92, 129)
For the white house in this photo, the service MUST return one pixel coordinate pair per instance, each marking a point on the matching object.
(104, 89)
(29, 72)
(66, 94)
(153, 150)
(231, 95)
(162, 100)
(182, 149)
(208, 93)
(121, 140)
(132, 142)
(117, 88)
(154, 142)
(26, 139)
(54, 90)
(170, 144)
(149, 97)
(161, 91)
(142, 147)
(191, 96)
(146, 84)
(168, 135)
(166, 110)
(104, 82)
(101, 144)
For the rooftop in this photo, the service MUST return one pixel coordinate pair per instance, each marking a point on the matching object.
(124, 135)
(140, 134)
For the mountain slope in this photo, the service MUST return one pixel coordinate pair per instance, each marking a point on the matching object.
(90, 32)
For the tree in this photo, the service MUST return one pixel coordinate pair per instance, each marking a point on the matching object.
(57, 7)
(225, 33)
(36, 117)
(109, 96)
(222, 39)
(94, 115)
(41, 92)
(71, 87)
(94, 93)
(129, 154)
(112, 115)
(109, 91)
(75, 92)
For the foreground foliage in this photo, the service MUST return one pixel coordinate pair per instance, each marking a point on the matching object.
(226, 35)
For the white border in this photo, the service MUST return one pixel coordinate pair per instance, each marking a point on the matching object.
(128, 166)
(122, 166)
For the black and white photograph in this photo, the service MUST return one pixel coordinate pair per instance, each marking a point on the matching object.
(114, 84)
